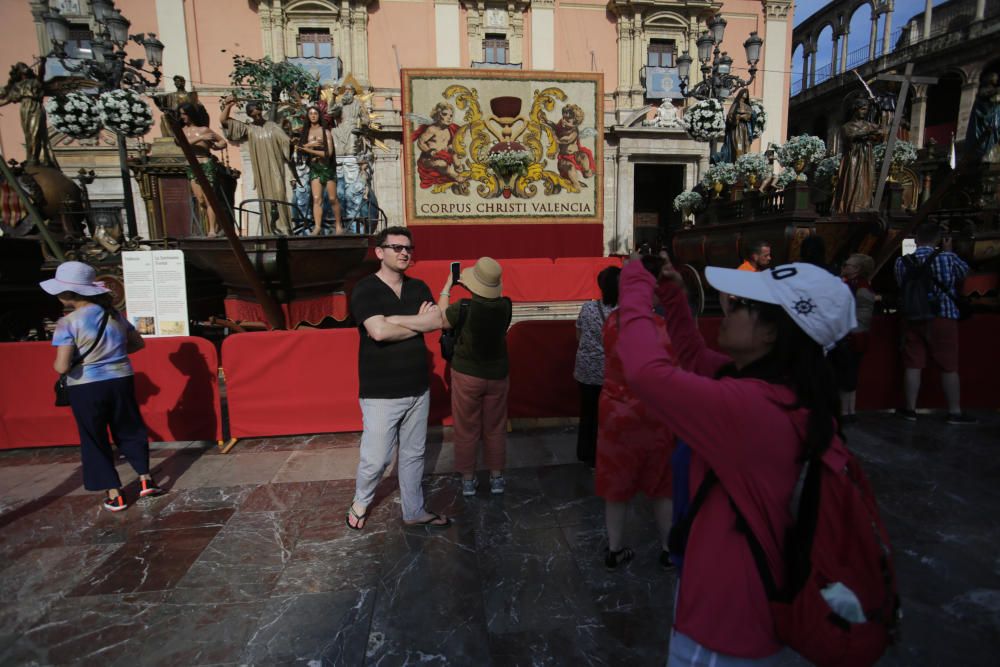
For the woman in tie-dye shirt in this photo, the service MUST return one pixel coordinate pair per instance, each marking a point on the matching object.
(101, 386)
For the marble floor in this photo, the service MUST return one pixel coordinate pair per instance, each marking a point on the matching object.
(247, 560)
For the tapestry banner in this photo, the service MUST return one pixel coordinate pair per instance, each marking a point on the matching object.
(481, 146)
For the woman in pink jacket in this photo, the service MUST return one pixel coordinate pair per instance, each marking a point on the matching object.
(750, 415)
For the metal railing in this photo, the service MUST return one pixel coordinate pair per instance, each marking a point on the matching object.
(824, 73)
(857, 57)
(798, 85)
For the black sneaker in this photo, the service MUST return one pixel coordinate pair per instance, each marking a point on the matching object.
(908, 415)
(116, 504)
(960, 419)
(615, 559)
(666, 562)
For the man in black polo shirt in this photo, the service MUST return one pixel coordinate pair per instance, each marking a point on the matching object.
(393, 312)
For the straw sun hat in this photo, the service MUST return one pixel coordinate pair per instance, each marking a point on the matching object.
(483, 278)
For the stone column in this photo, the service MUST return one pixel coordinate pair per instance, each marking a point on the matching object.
(886, 36)
(843, 50)
(447, 28)
(624, 62)
(359, 42)
(515, 34)
(170, 21)
(873, 38)
(980, 9)
(774, 86)
(277, 31)
(918, 114)
(638, 60)
(965, 102)
(625, 204)
(812, 67)
(543, 34)
(834, 52)
(928, 5)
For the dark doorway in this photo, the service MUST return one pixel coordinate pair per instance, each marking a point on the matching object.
(654, 219)
(942, 109)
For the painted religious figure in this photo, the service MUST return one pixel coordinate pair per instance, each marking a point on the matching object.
(983, 135)
(436, 162)
(576, 161)
(856, 178)
(740, 130)
(269, 156)
(173, 101)
(25, 88)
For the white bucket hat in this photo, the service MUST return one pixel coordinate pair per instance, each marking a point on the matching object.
(484, 278)
(74, 277)
(816, 300)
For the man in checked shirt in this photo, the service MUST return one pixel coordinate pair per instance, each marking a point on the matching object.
(937, 338)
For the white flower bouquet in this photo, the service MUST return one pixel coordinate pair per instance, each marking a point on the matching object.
(507, 162)
(125, 112)
(705, 121)
(903, 154)
(689, 199)
(827, 169)
(800, 152)
(784, 178)
(74, 115)
(721, 172)
(752, 167)
(760, 118)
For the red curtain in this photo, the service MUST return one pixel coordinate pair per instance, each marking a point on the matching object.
(176, 383)
(505, 241)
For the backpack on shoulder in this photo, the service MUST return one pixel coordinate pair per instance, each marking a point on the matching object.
(449, 337)
(915, 300)
(840, 603)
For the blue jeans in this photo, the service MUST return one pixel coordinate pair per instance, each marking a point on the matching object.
(686, 652)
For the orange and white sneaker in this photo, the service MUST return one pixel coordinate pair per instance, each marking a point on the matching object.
(148, 488)
(116, 504)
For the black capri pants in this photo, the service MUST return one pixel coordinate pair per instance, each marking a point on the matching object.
(102, 406)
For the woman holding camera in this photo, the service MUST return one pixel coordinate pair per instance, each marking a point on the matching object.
(751, 416)
(479, 372)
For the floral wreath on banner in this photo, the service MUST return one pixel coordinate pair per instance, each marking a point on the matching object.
(125, 112)
(721, 172)
(759, 118)
(704, 120)
(903, 153)
(688, 199)
(74, 114)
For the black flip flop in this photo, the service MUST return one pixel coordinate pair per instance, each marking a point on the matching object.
(429, 522)
(358, 518)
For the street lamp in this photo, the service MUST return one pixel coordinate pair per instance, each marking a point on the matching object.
(111, 68)
(718, 81)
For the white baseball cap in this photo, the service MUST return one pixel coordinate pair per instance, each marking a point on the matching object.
(816, 300)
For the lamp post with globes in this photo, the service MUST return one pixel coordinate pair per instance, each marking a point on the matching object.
(718, 81)
(110, 68)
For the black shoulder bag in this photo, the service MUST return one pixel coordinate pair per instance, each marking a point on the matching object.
(449, 337)
(62, 393)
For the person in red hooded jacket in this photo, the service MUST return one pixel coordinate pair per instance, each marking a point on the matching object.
(750, 415)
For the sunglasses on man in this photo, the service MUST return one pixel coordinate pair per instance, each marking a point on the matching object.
(397, 248)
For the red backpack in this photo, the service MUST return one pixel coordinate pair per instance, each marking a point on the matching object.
(837, 536)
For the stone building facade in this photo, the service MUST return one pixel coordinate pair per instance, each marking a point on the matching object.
(645, 165)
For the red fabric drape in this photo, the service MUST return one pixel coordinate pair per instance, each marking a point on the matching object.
(501, 241)
(310, 310)
(542, 355)
(176, 383)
